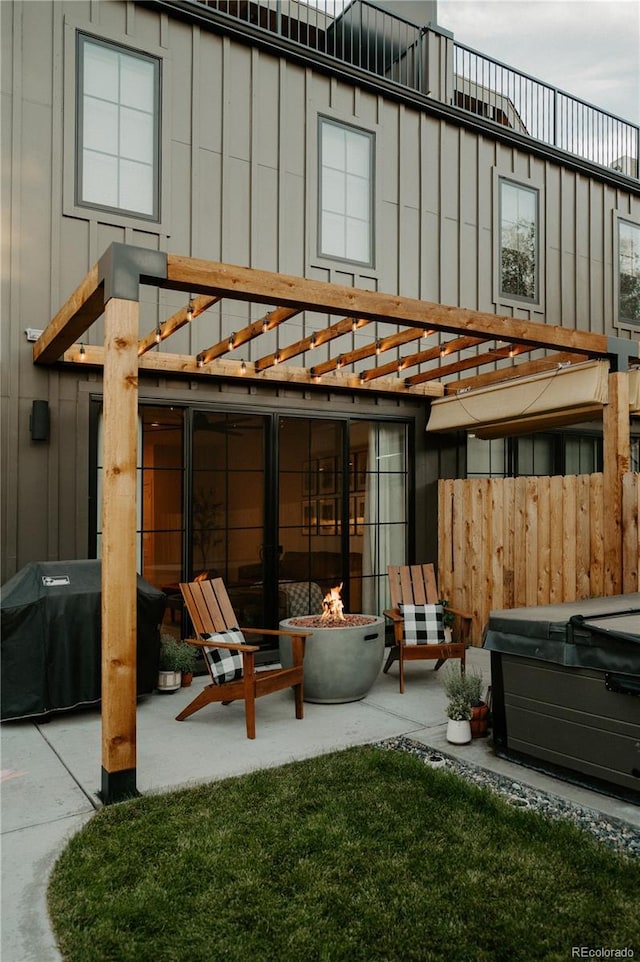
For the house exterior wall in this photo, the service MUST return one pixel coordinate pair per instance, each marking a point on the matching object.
(239, 158)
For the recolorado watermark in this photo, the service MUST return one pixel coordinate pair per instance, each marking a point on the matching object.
(588, 952)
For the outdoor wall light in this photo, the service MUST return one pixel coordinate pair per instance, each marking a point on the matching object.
(39, 421)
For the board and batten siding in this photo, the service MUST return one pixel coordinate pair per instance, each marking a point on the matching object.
(239, 161)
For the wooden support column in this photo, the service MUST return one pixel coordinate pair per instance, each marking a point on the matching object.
(616, 447)
(119, 568)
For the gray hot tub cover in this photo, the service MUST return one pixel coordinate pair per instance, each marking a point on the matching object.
(597, 633)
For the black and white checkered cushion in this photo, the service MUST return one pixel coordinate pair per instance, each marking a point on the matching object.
(224, 665)
(423, 624)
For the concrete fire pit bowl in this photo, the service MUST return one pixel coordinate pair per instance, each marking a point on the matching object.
(342, 659)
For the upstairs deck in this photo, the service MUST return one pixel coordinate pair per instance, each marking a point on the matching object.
(425, 59)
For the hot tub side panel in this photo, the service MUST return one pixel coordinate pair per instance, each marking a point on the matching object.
(567, 719)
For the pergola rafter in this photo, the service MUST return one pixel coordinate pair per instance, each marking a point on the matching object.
(184, 316)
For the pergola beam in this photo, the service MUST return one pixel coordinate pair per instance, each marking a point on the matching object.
(245, 283)
(74, 318)
(186, 365)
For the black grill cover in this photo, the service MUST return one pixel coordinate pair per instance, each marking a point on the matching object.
(51, 637)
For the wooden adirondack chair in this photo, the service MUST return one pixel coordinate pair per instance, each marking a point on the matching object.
(211, 612)
(416, 585)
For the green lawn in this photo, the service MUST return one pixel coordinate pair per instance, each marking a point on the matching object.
(364, 855)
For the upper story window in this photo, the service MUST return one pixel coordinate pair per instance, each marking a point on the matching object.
(628, 271)
(118, 97)
(345, 221)
(519, 256)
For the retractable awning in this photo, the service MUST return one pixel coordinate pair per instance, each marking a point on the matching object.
(547, 399)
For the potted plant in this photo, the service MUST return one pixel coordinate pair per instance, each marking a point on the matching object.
(175, 656)
(479, 708)
(459, 720)
(462, 691)
(187, 656)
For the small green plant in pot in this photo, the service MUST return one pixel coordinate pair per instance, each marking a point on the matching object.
(460, 691)
(479, 708)
(176, 657)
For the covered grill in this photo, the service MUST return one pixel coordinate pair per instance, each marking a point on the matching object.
(51, 637)
(565, 687)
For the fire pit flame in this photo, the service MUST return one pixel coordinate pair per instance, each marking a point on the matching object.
(332, 605)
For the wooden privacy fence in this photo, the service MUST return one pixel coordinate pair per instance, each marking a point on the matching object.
(511, 542)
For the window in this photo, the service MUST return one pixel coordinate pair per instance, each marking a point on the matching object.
(118, 129)
(518, 241)
(629, 271)
(345, 222)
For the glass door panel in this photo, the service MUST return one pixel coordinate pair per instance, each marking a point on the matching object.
(228, 511)
(161, 502)
(378, 456)
(310, 511)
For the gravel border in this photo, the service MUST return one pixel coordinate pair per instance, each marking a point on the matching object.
(613, 832)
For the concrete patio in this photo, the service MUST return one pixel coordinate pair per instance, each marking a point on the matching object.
(51, 772)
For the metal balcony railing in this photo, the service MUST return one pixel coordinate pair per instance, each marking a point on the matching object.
(512, 98)
(362, 34)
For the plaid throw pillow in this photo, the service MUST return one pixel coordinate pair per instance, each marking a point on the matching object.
(224, 665)
(423, 624)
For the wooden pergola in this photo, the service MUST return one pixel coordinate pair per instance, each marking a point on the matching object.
(403, 364)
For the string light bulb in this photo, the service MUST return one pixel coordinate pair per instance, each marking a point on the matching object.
(158, 334)
(354, 325)
(378, 346)
(339, 362)
(200, 360)
(231, 341)
(312, 342)
(243, 367)
(83, 353)
(190, 310)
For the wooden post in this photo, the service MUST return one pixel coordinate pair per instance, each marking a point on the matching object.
(119, 569)
(616, 446)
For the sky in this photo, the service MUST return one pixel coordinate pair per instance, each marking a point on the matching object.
(588, 48)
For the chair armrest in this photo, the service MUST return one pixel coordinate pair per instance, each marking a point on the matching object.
(393, 614)
(275, 631)
(461, 614)
(203, 643)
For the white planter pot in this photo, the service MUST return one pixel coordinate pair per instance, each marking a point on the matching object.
(458, 732)
(169, 680)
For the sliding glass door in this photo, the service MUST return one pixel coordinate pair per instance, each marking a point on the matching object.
(282, 507)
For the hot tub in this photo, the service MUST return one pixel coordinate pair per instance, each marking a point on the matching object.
(340, 663)
(565, 690)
